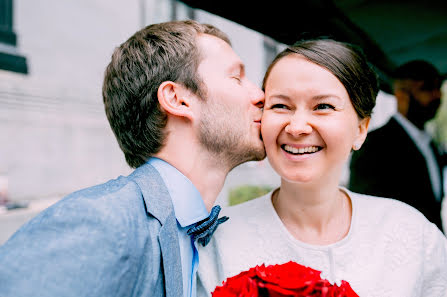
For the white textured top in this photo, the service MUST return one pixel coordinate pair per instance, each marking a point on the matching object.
(391, 249)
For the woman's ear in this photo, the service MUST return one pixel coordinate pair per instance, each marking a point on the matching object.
(175, 99)
(362, 132)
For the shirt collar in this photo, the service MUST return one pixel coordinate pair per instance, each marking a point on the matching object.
(189, 207)
(415, 133)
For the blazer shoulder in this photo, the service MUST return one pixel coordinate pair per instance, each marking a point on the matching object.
(109, 210)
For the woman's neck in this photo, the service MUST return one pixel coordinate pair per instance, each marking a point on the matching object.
(315, 215)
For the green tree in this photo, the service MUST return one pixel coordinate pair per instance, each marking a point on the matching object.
(247, 192)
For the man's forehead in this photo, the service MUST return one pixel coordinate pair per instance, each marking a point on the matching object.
(433, 84)
(210, 43)
(424, 85)
(215, 48)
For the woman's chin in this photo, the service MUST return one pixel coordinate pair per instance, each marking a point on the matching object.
(293, 174)
(298, 179)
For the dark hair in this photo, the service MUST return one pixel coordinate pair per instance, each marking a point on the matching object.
(157, 53)
(419, 70)
(345, 61)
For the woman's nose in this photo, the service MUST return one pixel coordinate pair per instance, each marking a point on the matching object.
(298, 124)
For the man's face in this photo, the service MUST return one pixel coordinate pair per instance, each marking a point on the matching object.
(230, 115)
(425, 99)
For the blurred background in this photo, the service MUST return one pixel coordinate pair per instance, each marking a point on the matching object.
(54, 135)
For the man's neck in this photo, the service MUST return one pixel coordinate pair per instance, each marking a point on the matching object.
(407, 124)
(207, 174)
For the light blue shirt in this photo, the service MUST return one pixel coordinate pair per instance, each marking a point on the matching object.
(189, 208)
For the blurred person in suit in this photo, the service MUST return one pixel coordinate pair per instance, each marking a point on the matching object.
(400, 160)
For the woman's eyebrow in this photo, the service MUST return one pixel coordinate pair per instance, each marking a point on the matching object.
(325, 96)
(279, 97)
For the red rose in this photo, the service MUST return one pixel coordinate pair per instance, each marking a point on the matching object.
(243, 284)
(285, 280)
(290, 275)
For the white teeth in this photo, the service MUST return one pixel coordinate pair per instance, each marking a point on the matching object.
(302, 150)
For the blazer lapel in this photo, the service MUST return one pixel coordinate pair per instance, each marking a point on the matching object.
(158, 203)
(170, 251)
(155, 194)
(407, 142)
(438, 159)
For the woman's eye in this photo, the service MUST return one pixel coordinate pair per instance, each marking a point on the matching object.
(324, 106)
(279, 106)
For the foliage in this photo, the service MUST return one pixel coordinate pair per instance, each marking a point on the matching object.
(247, 192)
(438, 126)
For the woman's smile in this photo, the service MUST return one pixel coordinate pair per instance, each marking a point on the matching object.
(309, 124)
(300, 152)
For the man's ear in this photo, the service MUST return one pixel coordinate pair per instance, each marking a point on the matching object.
(403, 101)
(401, 95)
(175, 99)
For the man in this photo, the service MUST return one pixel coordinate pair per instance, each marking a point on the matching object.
(184, 114)
(399, 160)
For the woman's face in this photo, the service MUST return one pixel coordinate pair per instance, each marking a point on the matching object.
(309, 124)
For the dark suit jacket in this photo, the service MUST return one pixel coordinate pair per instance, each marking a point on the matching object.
(390, 165)
(115, 239)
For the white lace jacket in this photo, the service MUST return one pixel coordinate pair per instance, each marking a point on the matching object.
(391, 249)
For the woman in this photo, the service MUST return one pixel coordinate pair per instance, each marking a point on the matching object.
(319, 95)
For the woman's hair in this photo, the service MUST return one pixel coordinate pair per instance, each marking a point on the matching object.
(157, 53)
(347, 62)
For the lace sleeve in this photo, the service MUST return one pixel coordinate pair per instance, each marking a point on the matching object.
(435, 265)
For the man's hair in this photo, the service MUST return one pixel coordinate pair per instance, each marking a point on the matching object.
(417, 70)
(157, 53)
(345, 61)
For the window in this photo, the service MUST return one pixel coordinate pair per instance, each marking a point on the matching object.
(9, 57)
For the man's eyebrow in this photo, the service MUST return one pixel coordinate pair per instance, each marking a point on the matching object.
(239, 66)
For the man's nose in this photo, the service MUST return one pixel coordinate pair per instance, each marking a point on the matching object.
(257, 96)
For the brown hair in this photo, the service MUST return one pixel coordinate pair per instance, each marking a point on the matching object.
(345, 61)
(157, 53)
(417, 70)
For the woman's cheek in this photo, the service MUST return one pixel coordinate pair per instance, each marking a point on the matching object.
(267, 127)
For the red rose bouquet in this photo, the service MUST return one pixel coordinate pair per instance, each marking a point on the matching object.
(282, 280)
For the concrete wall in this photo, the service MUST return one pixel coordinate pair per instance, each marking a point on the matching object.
(53, 130)
(54, 133)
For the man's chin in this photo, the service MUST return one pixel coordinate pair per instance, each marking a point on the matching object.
(261, 155)
(258, 153)
(253, 153)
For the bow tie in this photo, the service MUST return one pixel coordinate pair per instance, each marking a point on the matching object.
(203, 230)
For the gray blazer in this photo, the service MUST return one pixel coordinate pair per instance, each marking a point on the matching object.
(114, 239)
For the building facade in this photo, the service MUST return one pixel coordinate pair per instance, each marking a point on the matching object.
(54, 134)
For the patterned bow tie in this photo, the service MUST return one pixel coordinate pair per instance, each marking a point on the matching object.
(203, 230)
